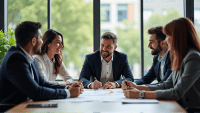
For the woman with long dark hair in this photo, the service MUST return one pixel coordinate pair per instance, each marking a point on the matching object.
(183, 85)
(50, 60)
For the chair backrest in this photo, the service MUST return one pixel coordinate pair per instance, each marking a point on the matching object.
(193, 110)
(5, 107)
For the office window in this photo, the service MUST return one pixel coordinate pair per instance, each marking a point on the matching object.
(27, 10)
(122, 12)
(164, 12)
(146, 14)
(103, 31)
(127, 31)
(158, 17)
(74, 19)
(105, 12)
(168, 0)
(197, 16)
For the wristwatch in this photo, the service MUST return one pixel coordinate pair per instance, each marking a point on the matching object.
(142, 94)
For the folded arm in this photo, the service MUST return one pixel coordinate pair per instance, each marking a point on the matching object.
(185, 82)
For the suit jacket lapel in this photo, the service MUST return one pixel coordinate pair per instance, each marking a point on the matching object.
(115, 66)
(35, 74)
(22, 52)
(166, 61)
(97, 64)
(157, 72)
(176, 74)
(26, 59)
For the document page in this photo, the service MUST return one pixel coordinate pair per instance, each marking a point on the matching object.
(139, 101)
(107, 95)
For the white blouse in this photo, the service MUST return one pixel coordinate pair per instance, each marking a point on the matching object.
(46, 68)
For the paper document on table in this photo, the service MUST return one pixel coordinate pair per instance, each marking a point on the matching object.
(107, 95)
(139, 101)
(80, 98)
(93, 92)
(112, 98)
(117, 91)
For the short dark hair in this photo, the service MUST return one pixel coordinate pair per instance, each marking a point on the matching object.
(25, 31)
(158, 30)
(109, 35)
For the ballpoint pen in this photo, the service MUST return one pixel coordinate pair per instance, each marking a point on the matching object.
(124, 77)
(97, 80)
(125, 80)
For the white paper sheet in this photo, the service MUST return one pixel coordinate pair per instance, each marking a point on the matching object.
(81, 99)
(139, 101)
(92, 92)
(113, 98)
(108, 95)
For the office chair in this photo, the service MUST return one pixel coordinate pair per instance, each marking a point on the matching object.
(5, 107)
(193, 110)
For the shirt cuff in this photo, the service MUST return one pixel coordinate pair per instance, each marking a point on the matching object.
(153, 87)
(134, 83)
(68, 93)
(88, 86)
(62, 83)
(70, 80)
(117, 84)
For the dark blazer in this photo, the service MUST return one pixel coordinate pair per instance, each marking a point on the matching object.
(17, 84)
(182, 85)
(92, 68)
(154, 72)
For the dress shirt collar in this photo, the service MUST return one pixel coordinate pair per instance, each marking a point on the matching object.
(103, 59)
(30, 59)
(162, 59)
(46, 58)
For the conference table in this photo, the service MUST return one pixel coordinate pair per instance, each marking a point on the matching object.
(100, 106)
(168, 106)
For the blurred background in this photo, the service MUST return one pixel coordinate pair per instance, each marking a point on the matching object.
(74, 19)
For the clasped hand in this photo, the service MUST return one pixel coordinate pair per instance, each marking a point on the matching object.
(109, 85)
(128, 85)
(130, 90)
(76, 88)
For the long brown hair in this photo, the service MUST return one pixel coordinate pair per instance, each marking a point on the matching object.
(183, 36)
(47, 38)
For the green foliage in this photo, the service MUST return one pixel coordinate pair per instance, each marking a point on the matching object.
(73, 18)
(129, 38)
(129, 41)
(6, 42)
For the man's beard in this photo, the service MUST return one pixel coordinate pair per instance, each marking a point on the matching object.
(157, 50)
(106, 55)
(36, 49)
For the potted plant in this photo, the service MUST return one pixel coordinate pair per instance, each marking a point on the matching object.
(6, 41)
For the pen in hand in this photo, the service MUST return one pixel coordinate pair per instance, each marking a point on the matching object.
(124, 78)
(98, 81)
(125, 81)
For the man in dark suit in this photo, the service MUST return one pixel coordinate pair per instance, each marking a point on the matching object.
(19, 75)
(161, 67)
(106, 65)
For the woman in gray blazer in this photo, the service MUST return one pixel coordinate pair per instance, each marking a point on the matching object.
(183, 85)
